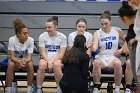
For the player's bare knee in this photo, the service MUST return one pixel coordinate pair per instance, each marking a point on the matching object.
(57, 64)
(30, 67)
(117, 65)
(42, 70)
(42, 65)
(11, 65)
(96, 64)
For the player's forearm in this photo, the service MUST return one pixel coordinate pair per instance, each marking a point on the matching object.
(94, 48)
(29, 58)
(45, 57)
(14, 59)
(58, 57)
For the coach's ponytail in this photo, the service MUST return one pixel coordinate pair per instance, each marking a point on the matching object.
(126, 10)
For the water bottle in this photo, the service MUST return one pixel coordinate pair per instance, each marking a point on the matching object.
(34, 86)
(14, 87)
(135, 88)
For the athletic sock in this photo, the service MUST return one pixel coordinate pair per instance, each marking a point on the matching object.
(128, 86)
(117, 88)
(97, 86)
(8, 88)
(29, 88)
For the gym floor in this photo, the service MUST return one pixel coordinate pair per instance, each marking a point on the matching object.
(48, 87)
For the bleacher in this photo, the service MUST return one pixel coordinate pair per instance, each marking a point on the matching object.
(35, 14)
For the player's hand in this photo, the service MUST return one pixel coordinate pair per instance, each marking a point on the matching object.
(118, 52)
(50, 64)
(90, 44)
(131, 41)
(23, 63)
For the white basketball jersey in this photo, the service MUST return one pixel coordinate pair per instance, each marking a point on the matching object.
(21, 50)
(52, 44)
(108, 42)
(72, 36)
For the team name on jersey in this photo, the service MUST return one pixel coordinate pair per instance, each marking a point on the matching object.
(21, 54)
(108, 38)
(52, 48)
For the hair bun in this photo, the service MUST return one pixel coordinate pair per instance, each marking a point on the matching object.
(17, 22)
(125, 4)
(107, 12)
(55, 18)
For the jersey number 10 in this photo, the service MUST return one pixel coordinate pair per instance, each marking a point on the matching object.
(108, 45)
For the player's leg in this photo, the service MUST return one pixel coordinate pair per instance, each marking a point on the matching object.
(116, 65)
(128, 76)
(57, 66)
(97, 66)
(41, 74)
(30, 76)
(9, 76)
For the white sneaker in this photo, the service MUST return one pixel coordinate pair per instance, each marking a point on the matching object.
(58, 90)
(29, 92)
(6, 91)
(39, 91)
(128, 91)
(116, 91)
(95, 90)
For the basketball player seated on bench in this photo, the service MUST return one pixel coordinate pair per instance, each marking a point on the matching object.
(106, 39)
(20, 51)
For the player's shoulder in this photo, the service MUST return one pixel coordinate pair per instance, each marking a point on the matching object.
(116, 28)
(30, 39)
(61, 35)
(43, 34)
(88, 33)
(13, 38)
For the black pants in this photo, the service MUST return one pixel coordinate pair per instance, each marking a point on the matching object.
(73, 88)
